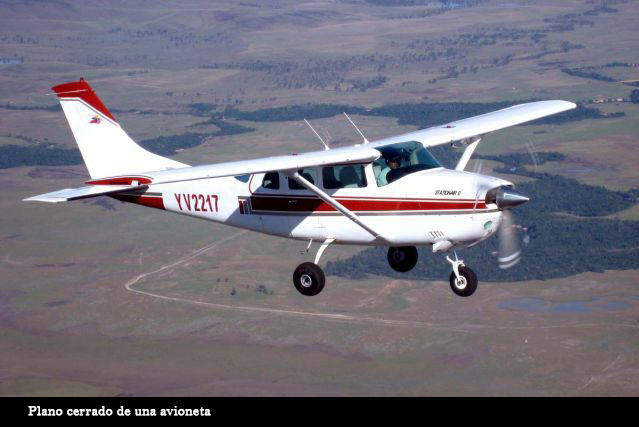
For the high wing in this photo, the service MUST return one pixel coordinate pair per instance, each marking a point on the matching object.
(69, 194)
(480, 125)
(364, 153)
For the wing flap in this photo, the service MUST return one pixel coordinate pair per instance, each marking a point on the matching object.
(69, 194)
(355, 154)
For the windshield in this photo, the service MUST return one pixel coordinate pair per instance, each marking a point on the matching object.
(402, 159)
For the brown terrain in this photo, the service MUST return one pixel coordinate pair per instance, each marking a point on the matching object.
(103, 298)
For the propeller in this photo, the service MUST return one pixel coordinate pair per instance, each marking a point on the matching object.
(509, 251)
(532, 150)
(507, 198)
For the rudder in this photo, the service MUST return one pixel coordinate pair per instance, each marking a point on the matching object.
(106, 148)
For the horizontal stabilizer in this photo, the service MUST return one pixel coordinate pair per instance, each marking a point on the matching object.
(69, 194)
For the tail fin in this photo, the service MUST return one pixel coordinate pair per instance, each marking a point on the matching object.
(106, 149)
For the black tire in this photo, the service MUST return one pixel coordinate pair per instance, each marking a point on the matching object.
(469, 279)
(309, 279)
(402, 259)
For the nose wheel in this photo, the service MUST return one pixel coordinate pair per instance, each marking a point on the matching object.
(463, 280)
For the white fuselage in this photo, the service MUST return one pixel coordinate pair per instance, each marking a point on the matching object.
(420, 209)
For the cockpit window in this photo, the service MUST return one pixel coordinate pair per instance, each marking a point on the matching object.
(271, 181)
(399, 160)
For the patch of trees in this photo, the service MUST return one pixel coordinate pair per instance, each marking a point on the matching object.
(173, 37)
(432, 114)
(446, 4)
(435, 113)
(617, 64)
(580, 72)
(558, 245)
(55, 107)
(520, 159)
(227, 128)
(202, 109)
(169, 145)
(18, 39)
(12, 156)
(293, 112)
(365, 84)
(568, 22)
(555, 193)
(11, 60)
(604, 8)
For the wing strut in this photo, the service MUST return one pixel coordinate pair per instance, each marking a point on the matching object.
(334, 203)
(468, 152)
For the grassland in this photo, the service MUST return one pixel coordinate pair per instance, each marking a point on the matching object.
(68, 324)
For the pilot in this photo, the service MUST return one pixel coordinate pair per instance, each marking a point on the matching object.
(394, 163)
(391, 164)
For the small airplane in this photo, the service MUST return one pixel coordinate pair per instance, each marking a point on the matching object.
(390, 192)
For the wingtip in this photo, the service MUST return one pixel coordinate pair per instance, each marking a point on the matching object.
(568, 104)
(42, 199)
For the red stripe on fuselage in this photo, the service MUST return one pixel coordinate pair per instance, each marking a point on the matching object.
(307, 204)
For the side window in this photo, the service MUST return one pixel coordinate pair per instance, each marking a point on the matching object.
(380, 170)
(271, 181)
(308, 174)
(243, 178)
(346, 176)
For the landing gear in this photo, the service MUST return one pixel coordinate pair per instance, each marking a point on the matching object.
(403, 258)
(463, 280)
(309, 279)
(466, 284)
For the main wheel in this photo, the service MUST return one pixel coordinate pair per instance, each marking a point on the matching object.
(467, 283)
(309, 279)
(402, 259)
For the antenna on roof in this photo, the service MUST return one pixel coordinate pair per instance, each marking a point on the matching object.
(356, 128)
(317, 134)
